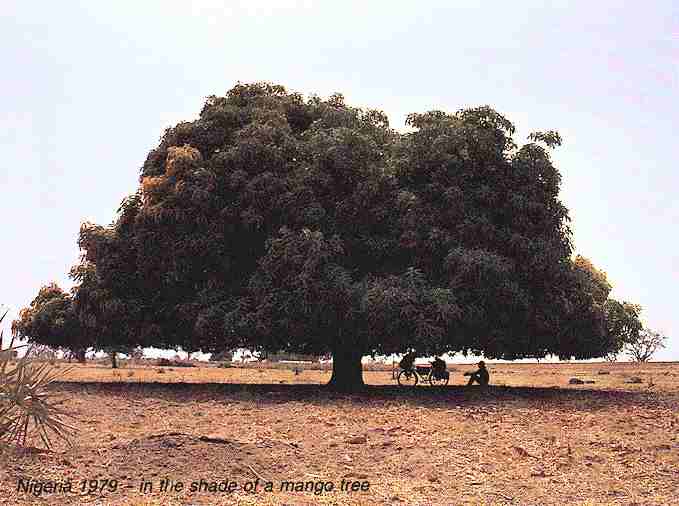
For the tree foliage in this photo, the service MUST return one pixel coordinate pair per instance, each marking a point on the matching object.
(279, 222)
(75, 322)
(623, 324)
(51, 321)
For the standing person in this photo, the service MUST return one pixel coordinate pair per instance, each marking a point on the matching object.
(480, 376)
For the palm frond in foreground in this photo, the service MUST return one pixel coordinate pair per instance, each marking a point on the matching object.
(26, 404)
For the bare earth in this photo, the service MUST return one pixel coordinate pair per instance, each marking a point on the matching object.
(529, 439)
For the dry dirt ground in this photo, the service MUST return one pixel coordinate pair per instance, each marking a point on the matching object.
(530, 439)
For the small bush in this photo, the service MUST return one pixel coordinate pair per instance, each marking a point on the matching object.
(225, 365)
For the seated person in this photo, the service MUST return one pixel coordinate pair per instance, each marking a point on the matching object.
(407, 361)
(480, 376)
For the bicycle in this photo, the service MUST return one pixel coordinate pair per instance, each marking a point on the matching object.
(411, 377)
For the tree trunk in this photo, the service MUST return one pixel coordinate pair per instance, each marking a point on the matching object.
(114, 361)
(347, 370)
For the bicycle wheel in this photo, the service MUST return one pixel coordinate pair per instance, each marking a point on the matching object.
(439, 381)
(407, 378)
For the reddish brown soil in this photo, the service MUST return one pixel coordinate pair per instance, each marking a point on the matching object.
(606, 443)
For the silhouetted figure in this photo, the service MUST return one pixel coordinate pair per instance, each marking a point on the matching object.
(479, 376)
(439, 366)
(407, 361)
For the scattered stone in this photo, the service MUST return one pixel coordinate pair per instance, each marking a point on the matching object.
(578, 381)
(635, 380)
(601, 373)
(167, 443)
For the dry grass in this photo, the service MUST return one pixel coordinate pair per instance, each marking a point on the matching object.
(536, 440)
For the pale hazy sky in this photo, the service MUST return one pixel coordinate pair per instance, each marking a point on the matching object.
(87, 88)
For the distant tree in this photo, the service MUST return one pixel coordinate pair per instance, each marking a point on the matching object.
(89, 317)
(42, 353)
(70, 355)
(645, 344)
(136, 353)
(222, 356)
(50, 320)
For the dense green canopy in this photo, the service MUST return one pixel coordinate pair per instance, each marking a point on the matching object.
(50, 320)
(279, 222)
